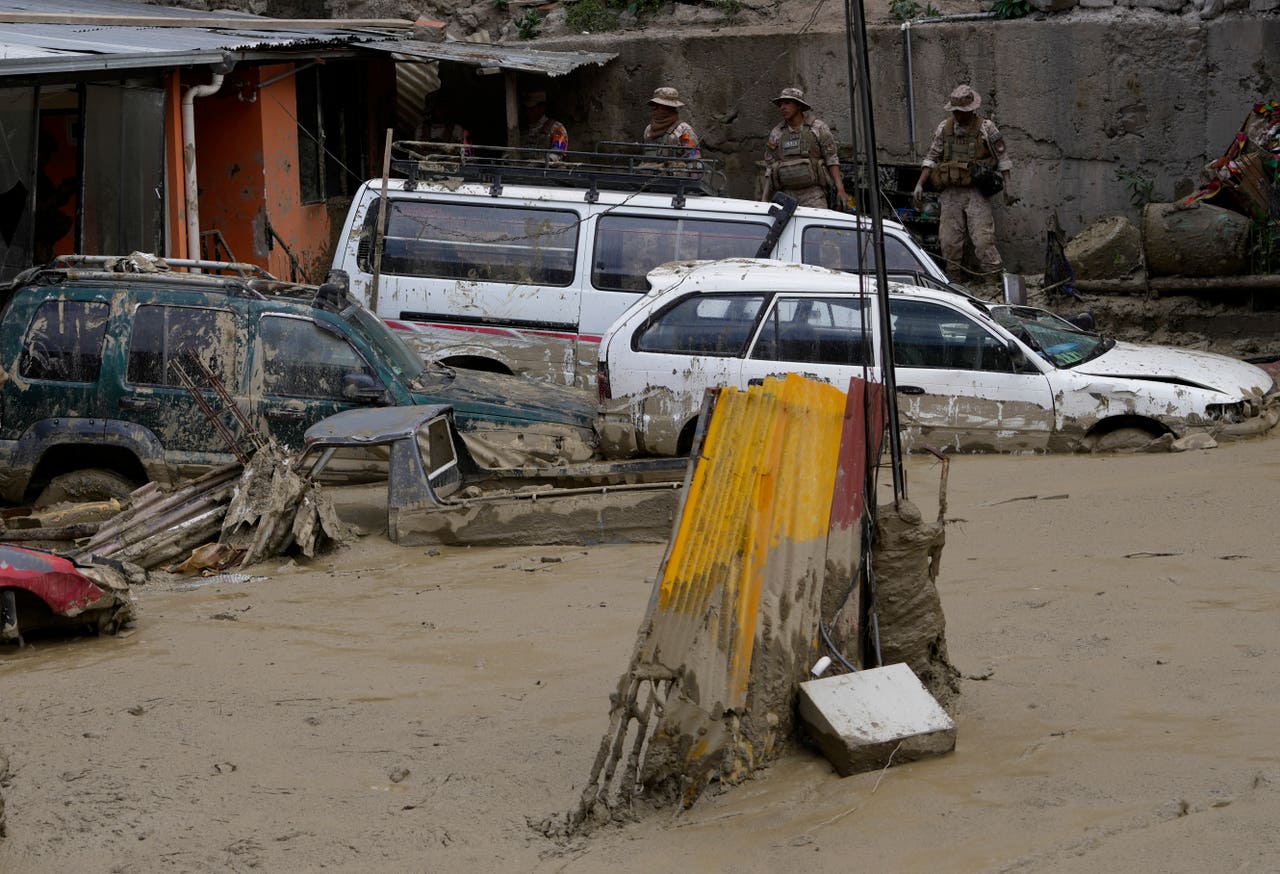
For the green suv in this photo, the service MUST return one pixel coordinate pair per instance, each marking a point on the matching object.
(91, 349)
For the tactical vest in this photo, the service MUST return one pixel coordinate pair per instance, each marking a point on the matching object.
(961, 155)
(799, 159)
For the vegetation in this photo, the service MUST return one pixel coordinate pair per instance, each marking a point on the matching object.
(1011, 8)
(1264, 247)
(1141, 190)
(728, 8)
(529, 25)
(905, 10)
(592, 16)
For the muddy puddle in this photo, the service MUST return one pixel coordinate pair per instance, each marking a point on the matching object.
(411, 709)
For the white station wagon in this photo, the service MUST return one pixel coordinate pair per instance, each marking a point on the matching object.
(970, 375)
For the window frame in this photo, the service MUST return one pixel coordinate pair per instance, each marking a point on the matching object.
(236, 363)
(598, 248)
(261, 357)
(765, 297)
(25, 356)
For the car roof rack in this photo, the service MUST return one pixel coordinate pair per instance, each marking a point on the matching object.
(143, 262)
(232, 277)
(612, 166)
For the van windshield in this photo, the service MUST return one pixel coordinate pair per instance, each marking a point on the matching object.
(402, 360)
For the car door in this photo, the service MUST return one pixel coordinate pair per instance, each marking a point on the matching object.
(298, 371)
(959, 385)
(164, 339)
(823, 338)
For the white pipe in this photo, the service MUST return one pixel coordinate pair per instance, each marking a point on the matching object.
(189, 161)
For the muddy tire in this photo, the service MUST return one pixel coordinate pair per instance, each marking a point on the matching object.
(79, 486)
(1127, 439)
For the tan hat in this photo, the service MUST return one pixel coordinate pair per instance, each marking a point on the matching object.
(963, 99)
(666, 97)
(795, 95)
(534, 98)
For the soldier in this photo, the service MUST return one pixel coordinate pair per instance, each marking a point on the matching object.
(966, 152)
(665, 127)
(801, 156)
(541, 131)
(436, 127)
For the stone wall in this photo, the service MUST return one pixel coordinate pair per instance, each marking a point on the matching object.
(1078, 97)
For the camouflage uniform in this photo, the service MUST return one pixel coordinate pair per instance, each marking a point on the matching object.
(786, 153)
(955, 152)
(681, 135)
(546, 133)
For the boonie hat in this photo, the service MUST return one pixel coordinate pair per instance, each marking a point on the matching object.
(666, 97)
(963, 99)
(534, 98)
(793, 94)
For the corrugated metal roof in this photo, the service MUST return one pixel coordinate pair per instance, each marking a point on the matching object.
(32, 49)
(501, 56)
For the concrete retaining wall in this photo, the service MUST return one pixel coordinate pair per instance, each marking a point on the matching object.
(1078, 99)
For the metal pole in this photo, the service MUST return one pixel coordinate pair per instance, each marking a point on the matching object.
(378, 231)
(854, 87)
(882, 278)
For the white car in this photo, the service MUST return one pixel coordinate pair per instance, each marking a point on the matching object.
(971, 376)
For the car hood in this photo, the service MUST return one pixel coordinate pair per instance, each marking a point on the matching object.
(476, 394)
(1179, 367)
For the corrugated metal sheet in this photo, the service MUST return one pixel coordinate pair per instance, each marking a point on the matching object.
(754, 524)
(503, 57)
(33, 49)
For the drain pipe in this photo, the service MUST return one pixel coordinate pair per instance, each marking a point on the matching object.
(189, 160)
(906, 52)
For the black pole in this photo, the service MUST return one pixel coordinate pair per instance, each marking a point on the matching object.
(854, 87)
(882, 278)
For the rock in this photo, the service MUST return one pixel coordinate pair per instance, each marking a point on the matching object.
(1198, 440)
(1160, 5)
(1202, 240)
(1110, 248)
(1052, 5)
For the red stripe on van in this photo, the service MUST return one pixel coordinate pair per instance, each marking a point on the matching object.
(485, 329)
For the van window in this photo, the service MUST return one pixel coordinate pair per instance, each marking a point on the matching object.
(483, 243)
(163, 336)
(935, 336)
(64, 341)
(628, 247)
(703, 325)
(814, 331)
(843, 249)
(301, 360)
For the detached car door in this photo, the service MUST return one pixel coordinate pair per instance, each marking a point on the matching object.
(959, 386)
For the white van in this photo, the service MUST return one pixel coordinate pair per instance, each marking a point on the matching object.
(513, 277)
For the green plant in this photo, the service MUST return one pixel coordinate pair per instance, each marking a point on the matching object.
(592, 16)
(728, 8)
(1011, 8)
(904, 10)
(1264, 247)
(639, 7)
(529, 25)
(1141, 190)
(501, 5)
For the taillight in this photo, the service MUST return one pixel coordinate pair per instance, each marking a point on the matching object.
(602, 381)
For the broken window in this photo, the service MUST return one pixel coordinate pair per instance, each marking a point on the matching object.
(17, 169)
(164, 335)
(301, 360)
(628, 247)
(482, 243)
(332, 102)
(64, 341)
(704, 325)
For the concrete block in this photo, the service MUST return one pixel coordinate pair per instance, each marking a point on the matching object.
(861, 720)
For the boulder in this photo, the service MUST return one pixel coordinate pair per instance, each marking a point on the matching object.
(1200, 240)
(1110, 248)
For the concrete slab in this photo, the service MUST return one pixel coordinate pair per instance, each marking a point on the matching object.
(866, 720)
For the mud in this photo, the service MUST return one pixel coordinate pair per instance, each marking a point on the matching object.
(1113, 619)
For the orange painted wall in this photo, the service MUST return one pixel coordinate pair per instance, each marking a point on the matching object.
(175, 177)
(247, 148)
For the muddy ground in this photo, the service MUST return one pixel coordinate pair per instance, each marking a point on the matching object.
(409, 709)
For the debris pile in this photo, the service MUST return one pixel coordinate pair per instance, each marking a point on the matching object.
(257, 510)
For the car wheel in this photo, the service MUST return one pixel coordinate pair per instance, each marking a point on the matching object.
(1121, 440)
(91, 484)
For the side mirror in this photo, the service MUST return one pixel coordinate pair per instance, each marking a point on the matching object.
(361, 388)
(1016, 355)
